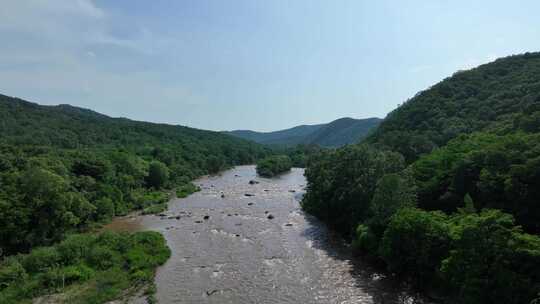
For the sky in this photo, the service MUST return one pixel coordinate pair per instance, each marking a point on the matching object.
(250, 64)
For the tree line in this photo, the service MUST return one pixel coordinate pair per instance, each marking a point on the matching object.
(64, 171)
(445, 193)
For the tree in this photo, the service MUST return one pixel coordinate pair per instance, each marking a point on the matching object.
(46, 195)
(394, 191)
(341, 183)
(158, 174)
(415, 243)
(214, 164)
(492, 260)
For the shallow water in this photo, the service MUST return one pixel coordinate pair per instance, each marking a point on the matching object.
(238, 255)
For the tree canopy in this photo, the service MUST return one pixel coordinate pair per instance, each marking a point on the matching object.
(445, 191)
(63, 168)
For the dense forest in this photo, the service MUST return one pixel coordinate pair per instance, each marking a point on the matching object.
(334, 134)
(64, 170)
(445, 192)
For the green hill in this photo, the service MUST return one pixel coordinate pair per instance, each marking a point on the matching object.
(337, 133)
(63, 168)
(445, 192)
(499, 97)
(286, 137)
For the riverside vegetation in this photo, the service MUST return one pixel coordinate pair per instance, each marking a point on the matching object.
(65, 170)
(85, 268)
(446, 192)
(274, 165)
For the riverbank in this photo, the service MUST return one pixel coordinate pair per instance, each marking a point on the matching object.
(241, 242)
(84, 268)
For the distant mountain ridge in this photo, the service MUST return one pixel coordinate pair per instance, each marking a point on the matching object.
(337, 133)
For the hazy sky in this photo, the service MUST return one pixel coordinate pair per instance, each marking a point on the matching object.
(253, 64)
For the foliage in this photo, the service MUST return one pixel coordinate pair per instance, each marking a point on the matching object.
(341, 183)
(64, 168)
(492, 261)
(273, 165)
(394, 191)
(497, 171)
(84, 268)
(158, 174)
(187, 189)
(469, 143)
(501, 97)
(414, 244)
(298, 154)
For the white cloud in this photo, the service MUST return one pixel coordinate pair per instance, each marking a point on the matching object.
(51, 57)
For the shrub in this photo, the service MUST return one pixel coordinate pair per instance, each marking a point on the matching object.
(102, 266)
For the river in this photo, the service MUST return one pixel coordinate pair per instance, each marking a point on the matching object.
(257, 246)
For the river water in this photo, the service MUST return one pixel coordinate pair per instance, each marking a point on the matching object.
(240, 255)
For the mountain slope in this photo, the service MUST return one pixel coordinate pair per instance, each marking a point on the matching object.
(463, 189)
(498, 97)
(342, 131)
(62, 168)
(65, 126)
(337, 133)
(285, 137)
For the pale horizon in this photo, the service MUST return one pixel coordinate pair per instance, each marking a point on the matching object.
(261, 66)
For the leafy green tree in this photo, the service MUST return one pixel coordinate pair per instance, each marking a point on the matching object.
(415, 243)
(214, 164)
(493, 261)
(46, 194)
(158, 174)
(105, 208)
(394, 191)
(341, 183)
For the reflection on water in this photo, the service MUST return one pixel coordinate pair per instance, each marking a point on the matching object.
(229, 247)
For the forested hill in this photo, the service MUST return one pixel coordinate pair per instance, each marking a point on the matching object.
(64, 168)
(290, 136)
(65, 126)
(500, 97)
(446, 192)
(337, 133)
